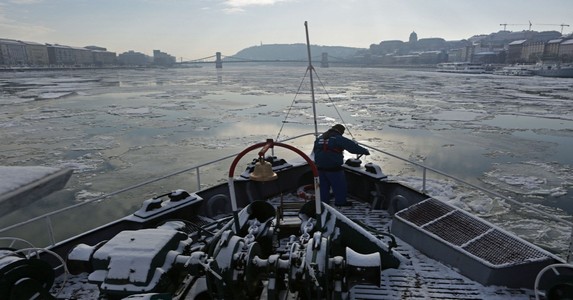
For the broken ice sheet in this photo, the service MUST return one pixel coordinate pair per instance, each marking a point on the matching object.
(531, 178)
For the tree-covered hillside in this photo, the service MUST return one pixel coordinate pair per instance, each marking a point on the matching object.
(294, 52)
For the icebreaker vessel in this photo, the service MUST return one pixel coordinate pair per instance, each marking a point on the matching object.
(264, 233)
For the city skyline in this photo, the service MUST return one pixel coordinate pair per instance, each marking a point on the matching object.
(195, 29)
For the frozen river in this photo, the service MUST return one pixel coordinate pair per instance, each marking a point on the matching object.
(116, 128)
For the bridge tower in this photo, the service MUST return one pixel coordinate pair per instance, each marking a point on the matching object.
(324, 61)
(218, 61)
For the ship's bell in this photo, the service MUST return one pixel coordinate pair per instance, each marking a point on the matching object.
(263, 171)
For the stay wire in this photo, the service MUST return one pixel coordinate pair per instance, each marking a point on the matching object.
(291, 105)
(328, 96)
(334, 105)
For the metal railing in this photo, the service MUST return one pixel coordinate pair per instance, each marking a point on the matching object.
(489, 192)
(47, 217)
(197, 168)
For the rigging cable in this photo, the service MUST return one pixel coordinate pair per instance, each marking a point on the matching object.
(291, 106)
(328, 96)
(334, 106)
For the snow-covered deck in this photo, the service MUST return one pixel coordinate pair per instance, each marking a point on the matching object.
(419, 278)
(422, 277)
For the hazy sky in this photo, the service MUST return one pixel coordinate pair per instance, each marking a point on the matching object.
(194, 29)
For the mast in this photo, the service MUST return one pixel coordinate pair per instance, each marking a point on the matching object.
(311, 69)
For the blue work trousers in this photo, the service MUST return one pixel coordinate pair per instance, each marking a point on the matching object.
(336, 180)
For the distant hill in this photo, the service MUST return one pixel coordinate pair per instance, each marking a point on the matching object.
(295, 52)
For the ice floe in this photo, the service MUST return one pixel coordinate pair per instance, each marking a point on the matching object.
(531, 178)
(159, 120)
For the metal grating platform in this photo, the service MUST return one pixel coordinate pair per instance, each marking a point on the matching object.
(478, 249)
(423, 214)
(499, 249)
(457, 228)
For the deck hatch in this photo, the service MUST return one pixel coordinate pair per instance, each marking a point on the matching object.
(500, 249)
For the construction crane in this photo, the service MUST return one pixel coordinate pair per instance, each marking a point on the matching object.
(506, 24)
(562, 25)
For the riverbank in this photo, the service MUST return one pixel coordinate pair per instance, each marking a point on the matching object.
(47, 69)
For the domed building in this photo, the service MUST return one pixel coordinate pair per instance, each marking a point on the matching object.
(413, 37)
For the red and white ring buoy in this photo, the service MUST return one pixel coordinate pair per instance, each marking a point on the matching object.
(306, 192)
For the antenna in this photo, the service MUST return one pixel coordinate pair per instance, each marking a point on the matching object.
(311, 69)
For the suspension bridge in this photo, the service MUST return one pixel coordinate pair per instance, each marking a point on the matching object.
(218, 59)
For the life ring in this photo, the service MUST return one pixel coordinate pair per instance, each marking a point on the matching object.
(306, 192)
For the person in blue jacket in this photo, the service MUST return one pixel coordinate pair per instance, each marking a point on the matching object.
(328, 157)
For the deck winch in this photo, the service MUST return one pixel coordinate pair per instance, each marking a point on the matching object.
(237, 263)
(304, 265)
(134, 261)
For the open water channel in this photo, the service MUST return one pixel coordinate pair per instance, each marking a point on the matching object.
(116, 128)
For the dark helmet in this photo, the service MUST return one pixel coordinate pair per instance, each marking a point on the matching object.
(339, 127)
